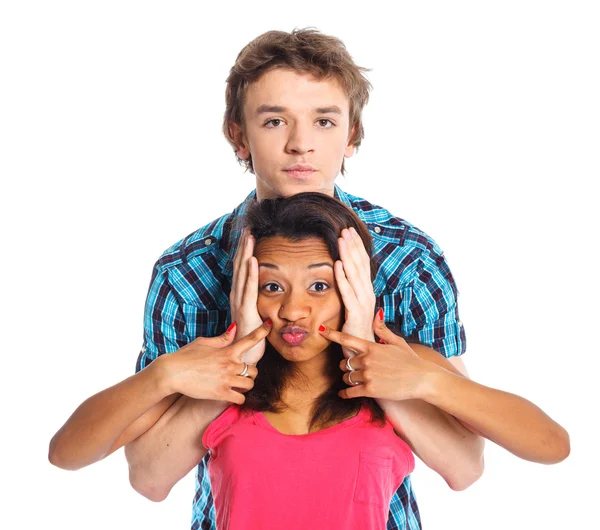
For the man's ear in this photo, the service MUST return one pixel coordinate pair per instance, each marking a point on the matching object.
(239, 139)
(350, 149)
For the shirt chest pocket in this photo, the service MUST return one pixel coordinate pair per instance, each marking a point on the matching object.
(374, 479)
(200, 322)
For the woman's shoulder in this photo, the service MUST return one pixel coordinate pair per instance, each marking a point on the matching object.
(232, 415)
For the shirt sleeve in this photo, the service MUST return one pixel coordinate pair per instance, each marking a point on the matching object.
(429, 307)
(164, 325)
(214, 433)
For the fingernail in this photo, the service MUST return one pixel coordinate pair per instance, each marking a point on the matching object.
(380, 313)
(269, 322)
(322, 328)
(381, 341)
(231, 326)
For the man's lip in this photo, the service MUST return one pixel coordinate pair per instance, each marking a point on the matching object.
(300, 167)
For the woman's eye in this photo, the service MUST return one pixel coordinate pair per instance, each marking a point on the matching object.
(271, 287)
(319, 287)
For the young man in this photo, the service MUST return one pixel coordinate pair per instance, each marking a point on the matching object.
(293, 112)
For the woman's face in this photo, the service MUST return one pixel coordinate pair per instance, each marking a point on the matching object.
(297, 291)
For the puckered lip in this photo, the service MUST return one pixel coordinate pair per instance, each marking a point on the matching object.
(293, 329)
(300, 167)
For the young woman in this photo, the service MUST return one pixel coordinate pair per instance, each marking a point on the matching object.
(307, 446)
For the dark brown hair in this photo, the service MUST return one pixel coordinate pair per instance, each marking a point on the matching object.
(305, 51)
(303, 216)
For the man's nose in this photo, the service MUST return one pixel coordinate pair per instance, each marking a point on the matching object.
(301, 139)
(294, 307)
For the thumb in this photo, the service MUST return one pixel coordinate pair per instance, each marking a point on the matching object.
(383, 332)
(220, 341)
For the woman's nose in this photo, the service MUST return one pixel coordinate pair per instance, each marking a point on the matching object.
(294, 307)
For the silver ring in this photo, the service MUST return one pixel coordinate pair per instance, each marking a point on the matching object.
(245, 371)
(348, 367)
(353, 383)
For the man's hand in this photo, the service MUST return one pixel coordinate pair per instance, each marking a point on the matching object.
(353, 277)
(391, 371)
(244, 295)
(210, 368)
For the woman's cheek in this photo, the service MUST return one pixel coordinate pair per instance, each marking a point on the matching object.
(263, 307)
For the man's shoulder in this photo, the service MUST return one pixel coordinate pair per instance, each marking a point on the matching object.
(208, 239)
(390, 230)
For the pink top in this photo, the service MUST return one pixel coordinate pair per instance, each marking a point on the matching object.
(342, 477)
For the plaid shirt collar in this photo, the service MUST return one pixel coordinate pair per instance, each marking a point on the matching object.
(239, 213)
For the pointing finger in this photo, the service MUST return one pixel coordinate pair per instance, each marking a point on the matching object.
(354, 343)
(243, 345)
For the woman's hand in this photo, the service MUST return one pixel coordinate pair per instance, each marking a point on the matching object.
(244, 295)
(210, 368)
(353, 277)
(390, 370)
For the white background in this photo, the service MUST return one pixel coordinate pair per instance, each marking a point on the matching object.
(483, 130)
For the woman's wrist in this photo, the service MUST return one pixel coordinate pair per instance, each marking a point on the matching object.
(433, 383)
(160, 371)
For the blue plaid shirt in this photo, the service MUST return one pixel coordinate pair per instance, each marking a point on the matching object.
(189, 298)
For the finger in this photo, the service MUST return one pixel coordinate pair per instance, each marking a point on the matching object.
(251, 373)
(384, 333)
(234, 397)
(243, 345)
(355, 364)
(251, 287)
(359, 253)
(244, 251)
(220, 341)
(348, 295)
(360, 245)
(357, 273)
(351, 378)
(354, 343)
(243, 383)
(353, 392)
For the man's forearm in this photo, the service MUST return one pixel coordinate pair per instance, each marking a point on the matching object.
(172, 447)
(437, 438)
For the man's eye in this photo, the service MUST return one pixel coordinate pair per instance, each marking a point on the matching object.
(271, 287)
(275, 122)
(325, 123)
(319, 287)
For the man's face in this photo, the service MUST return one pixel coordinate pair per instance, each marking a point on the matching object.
(297, 131)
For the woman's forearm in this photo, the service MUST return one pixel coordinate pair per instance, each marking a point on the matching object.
(506, 419)
(93, 429)
(438, 439)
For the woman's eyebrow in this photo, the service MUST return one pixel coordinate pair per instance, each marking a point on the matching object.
(317, 265)
(313, 266)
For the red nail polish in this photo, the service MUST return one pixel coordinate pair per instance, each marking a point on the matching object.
(381, 341)
(269, 322)
(231, 326)
(380, 313)
(322, 328)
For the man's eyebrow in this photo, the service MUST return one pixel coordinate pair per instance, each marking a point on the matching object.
(333, 109)
(264, 109)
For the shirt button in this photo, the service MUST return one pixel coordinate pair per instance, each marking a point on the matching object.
(377, 230)
(207, 241)
(460, 323)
